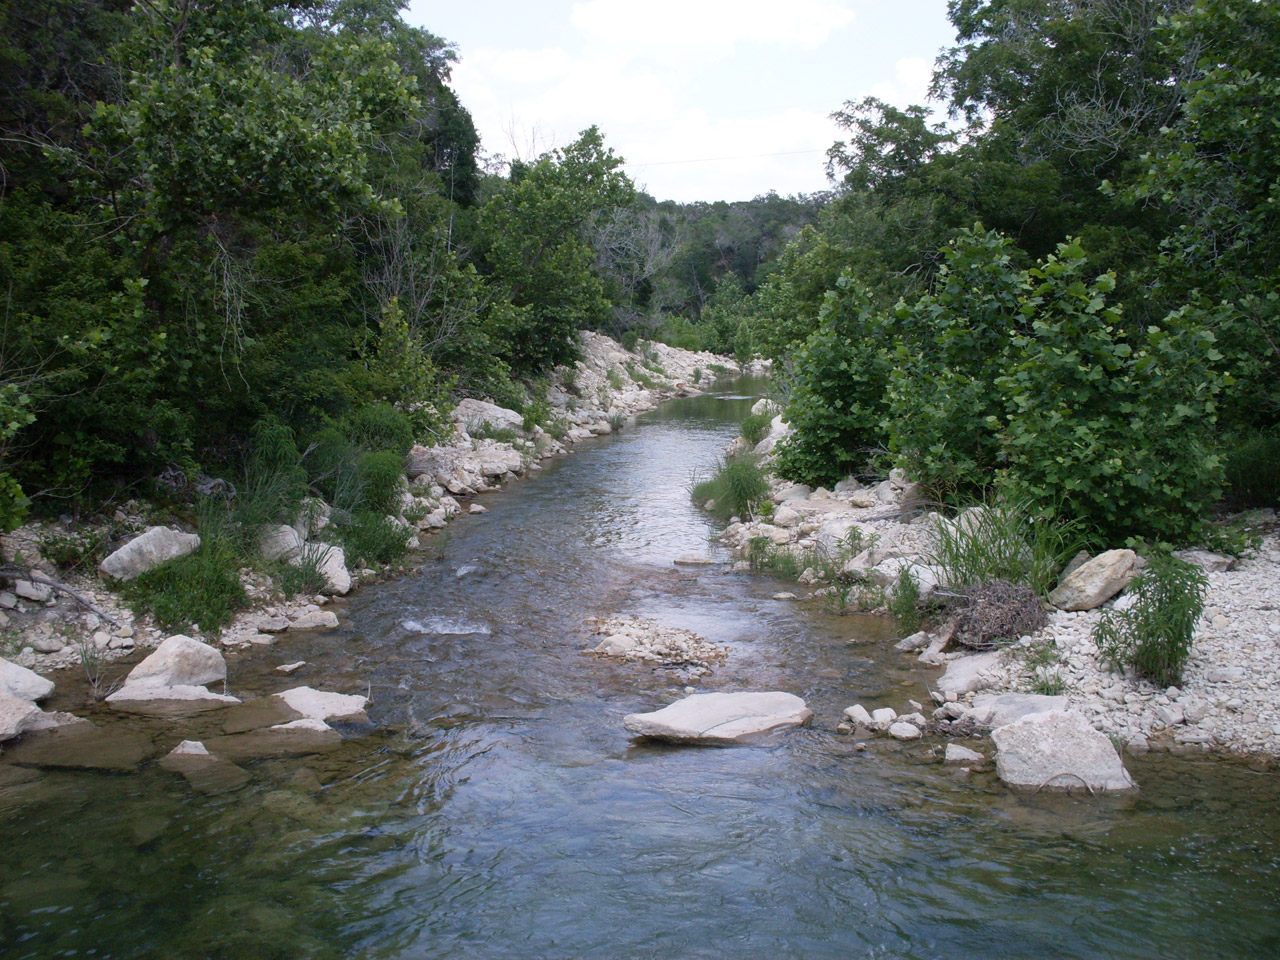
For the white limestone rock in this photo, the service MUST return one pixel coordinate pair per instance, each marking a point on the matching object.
(471, 415)
(16, 715)
(22, 683)
(994, 711)
(967, 674)
(180, 661)
(1059, 750)
(721, 718)
(280, 543)
(322, 704)
(1095, 582)
(332, 564)
(157, 546)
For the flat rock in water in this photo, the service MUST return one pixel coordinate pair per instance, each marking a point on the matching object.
(256, 714)
(721, 718)
(205, 772)
(287, 739)
(1096, 581)
(316, 620)
(1059, 750)
(22, 683)
(155, 699)
(322, 704)
(966, 674)
(995, 711)
(957, 754)
(82, 747)
(157, 546)
(693, 560)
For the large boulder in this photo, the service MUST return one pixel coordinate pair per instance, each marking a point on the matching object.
(1059, 750)
(1095, 582)
(279, 543)
(471, 415)
(157, 546)
(16, 715)
(967, 674)
(178, 661)
(721, 718)
(22, 683)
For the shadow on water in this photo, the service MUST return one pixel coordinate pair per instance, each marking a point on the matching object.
(501, 811)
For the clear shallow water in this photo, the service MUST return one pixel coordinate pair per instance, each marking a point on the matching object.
(502, 812)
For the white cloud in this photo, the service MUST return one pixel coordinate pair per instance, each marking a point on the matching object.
(910, 83)
(706, 28)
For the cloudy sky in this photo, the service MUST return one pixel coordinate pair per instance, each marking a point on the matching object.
(706, 99)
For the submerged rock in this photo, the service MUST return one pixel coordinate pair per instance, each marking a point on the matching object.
(721, 718)
(1059, 750)
(205, 772)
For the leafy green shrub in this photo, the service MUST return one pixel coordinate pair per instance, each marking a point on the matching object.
(642, 378)
(202, 589)
(1253, 472)
(82, 548)
(1005, 541)
(838, 400)
(734, 489)
(1154, 635)
(380, 426)
(1117, 433)
(756, 427)
(381, 479)
(952, 344)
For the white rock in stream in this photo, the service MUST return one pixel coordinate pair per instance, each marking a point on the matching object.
(721, 718)
(1059, 750)
(22, 683)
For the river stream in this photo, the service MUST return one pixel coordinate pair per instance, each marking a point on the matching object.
(501, 811)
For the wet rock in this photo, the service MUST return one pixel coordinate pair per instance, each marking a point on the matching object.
(858, 714)
(693, 560)
(1059, 750)
(81, 747)
(53, 720)
(1097, 581)
(294, 738)
(23, 683)
(322, 704)
(205, 772)
(316, 620)
(259, 713)
(157, 546)
(959, 755)
(883, 718)
(477, 508)
(154, 698)
(291, 667)
(916, 641)
(721, 718)
(901, 730)
(180, 660)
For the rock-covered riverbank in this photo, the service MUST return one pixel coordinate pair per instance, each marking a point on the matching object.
(1227, 701)
(47, 629)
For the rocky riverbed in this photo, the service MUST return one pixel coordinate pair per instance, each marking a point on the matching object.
(1227, 701)
(53, 620)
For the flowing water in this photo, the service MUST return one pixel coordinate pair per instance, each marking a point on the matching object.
(501, 811)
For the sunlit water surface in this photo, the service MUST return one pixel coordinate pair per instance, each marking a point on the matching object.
(501, 811)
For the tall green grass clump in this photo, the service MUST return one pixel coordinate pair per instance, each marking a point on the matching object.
(1005, 541)
(734, 490)
(756, 427)
(904, 602)
(201, 590)
(1154, 635)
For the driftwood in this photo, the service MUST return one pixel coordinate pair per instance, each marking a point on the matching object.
(26, 573)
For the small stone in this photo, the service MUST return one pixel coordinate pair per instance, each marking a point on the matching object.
(39, 592)
(291, 667)
(477, 508)
(882, 718)
(904, 731)
(784, 596)
(47, 644)
(316, 620)
(1225, 675)
(261, 639)
(272, 624)
(858, 714)
(7, 600)
(124, 632)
